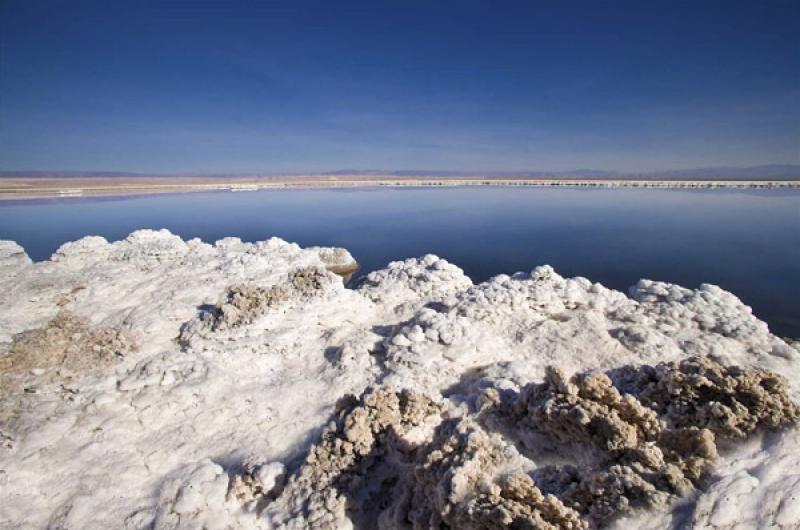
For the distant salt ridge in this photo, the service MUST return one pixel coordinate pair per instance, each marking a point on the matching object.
(65, 188)
(235, 356)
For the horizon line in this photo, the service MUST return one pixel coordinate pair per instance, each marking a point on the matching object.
(787, 170)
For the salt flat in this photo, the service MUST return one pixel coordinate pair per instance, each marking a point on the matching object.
(17, 188)
(156, 382)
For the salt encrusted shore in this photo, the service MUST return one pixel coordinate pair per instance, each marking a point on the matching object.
(44, 188)
(161, 383)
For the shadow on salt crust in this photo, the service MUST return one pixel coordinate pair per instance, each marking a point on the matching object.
(402, 460)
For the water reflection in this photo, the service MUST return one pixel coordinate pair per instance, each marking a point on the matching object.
(747, 241)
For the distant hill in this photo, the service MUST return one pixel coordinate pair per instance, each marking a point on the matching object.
(65, 174)
(762, 172)
(769, 171)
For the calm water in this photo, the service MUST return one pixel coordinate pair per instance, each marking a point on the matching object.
(745, 241)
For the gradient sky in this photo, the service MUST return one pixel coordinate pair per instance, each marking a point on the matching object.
(312, 86)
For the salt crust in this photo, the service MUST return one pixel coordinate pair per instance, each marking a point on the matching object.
(188, 424)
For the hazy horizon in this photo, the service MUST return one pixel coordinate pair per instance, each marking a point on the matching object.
(765, 171)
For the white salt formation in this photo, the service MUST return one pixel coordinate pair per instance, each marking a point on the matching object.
(170, 384)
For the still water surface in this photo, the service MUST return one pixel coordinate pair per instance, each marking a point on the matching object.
(747, 241)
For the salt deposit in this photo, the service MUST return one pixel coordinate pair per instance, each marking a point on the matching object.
(160, 383)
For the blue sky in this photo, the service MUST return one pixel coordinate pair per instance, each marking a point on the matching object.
(313, 86)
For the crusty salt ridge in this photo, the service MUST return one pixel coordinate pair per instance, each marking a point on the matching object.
(168, 433)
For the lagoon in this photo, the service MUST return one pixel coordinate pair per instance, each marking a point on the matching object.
(746, 241)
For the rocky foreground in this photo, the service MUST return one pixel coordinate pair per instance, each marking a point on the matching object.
(170, 384)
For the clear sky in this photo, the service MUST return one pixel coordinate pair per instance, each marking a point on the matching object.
(313, 86)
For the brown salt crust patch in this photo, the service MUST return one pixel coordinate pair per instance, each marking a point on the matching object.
(66, 342)
(258, 484)
(63, 350)
(517, 503)
(364, 431)
(649, 456)
(700, 392)
(242, 304)
(648, 478)
(336, 260)
(343, 270)
(586, 408)
(460, 476)
(460, 483)
(643, 464)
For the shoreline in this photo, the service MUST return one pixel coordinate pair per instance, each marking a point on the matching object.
(34, 188)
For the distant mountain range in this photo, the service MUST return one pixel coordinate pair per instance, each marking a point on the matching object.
(762, 172)
(769, 171)
(765, 172)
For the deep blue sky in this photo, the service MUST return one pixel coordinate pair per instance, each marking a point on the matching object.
(313, 86)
